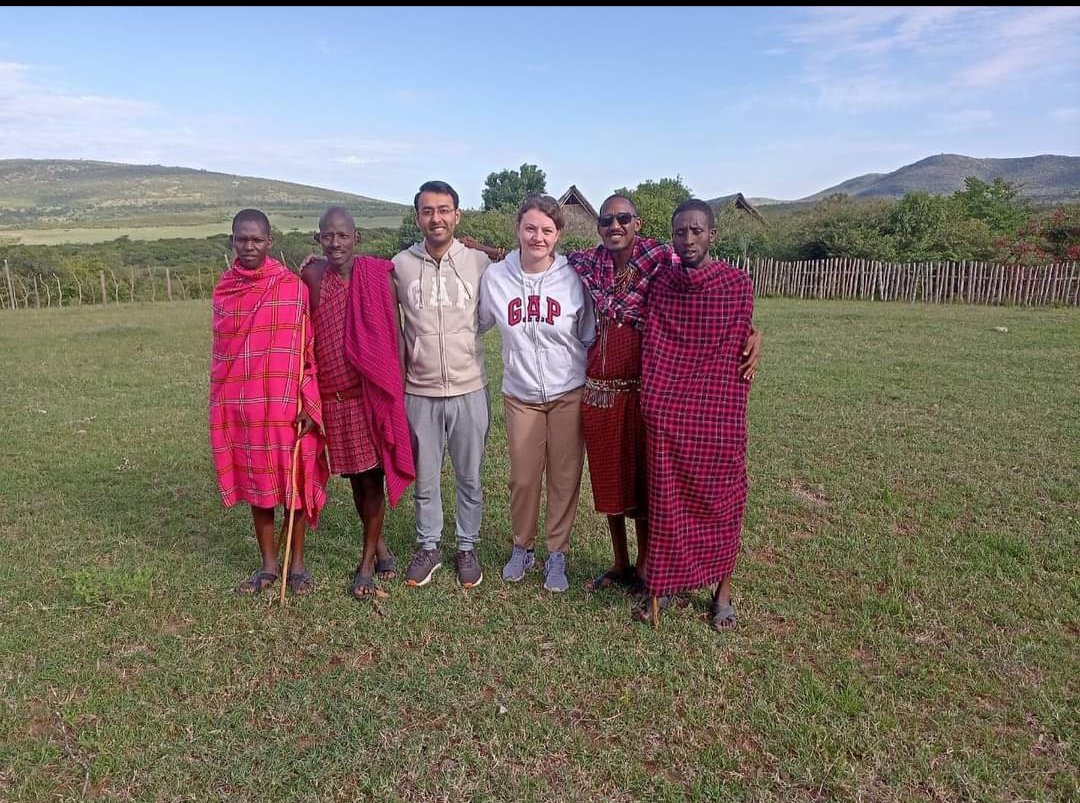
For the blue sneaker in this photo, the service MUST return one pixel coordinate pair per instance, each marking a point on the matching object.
(555, 573)
(521, 560)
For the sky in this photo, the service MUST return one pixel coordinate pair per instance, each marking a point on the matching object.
(774, 102)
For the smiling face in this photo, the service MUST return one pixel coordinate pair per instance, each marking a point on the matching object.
(251, 242)
(538, 235)
(337, 236)
(437, 219)
(691, 236)
(617, 235)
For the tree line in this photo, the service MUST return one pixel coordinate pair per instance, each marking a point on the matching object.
(986, 221)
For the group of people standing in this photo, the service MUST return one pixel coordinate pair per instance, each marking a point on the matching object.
(637, 353)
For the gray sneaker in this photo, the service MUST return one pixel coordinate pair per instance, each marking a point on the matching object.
(555, 573)
(521, 560)
(469, 574)
(422, 566)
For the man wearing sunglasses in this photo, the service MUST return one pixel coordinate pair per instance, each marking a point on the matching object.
(616, 274)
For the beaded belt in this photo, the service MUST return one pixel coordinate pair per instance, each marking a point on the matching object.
(601, 392)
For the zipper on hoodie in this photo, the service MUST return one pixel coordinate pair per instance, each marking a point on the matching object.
(536, 333)
(442, 341)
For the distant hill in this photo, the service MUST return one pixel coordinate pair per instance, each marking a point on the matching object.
(52, 193)
(1043, 179)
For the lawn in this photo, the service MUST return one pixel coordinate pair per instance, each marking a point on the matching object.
(909, 593)
(57, 235)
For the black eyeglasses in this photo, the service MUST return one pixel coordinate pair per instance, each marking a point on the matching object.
(624, 219)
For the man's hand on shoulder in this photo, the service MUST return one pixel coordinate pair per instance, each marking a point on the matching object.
(493, 253)
(314, 262)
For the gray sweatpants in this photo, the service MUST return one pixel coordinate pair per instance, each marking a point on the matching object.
(458, 424)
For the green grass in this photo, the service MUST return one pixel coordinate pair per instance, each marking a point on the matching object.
(58, 235)
(909, 593)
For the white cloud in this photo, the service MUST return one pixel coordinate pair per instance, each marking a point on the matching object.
(891, 57)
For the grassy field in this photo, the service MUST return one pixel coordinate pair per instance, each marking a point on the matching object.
(909, 594)
(58, 235)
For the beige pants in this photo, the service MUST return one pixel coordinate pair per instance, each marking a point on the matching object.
(544, 436)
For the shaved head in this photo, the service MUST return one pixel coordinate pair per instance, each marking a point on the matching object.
(336, 212)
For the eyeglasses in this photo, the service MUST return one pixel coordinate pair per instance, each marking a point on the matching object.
(624, 219)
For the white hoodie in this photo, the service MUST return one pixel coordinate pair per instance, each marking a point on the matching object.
(546, 322)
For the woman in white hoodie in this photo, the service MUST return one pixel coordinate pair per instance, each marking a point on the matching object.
(546, 323)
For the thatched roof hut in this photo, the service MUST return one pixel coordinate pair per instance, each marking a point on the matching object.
(737, 201)
(578, 212)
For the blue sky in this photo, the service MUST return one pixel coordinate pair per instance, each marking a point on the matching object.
(778, 102)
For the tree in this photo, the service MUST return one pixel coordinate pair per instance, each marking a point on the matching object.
(656, 202)
(507, 189)
(927, 227)
(998, 204)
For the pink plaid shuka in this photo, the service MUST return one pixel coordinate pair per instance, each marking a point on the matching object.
(693, 400)
(255, 393)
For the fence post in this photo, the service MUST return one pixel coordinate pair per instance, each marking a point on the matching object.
(10, 286)
(104, 295)
(168, 284)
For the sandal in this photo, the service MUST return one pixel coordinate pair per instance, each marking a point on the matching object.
(723, 617)
(364, 588)
(300, 583)
(604, 580)
(386, 568)
(258, 582)
(628, 578)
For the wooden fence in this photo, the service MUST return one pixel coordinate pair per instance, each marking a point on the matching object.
(840, 278)
(933, 282)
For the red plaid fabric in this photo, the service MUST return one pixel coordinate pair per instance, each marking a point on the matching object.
(626, 301)
(348, 430)
(373, 348)
(258, 317)
(615, 435)
(693, 401)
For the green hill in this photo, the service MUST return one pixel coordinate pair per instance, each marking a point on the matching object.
(1043, 179)
(39, 197)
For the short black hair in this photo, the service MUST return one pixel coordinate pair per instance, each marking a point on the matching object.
(613, 197)
(699, 205)
(440, 187)
(253, 215)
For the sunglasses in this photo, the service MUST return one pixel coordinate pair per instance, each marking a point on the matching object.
(624, 219)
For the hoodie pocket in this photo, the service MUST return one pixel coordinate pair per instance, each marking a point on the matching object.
(463, 360)
(425, 363)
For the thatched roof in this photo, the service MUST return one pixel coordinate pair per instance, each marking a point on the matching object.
(574, 197)
(739, 202)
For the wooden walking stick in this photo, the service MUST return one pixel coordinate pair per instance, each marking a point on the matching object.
(292, 471)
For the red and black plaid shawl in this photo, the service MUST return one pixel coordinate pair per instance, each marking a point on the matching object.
(627, 300)
(693, 400)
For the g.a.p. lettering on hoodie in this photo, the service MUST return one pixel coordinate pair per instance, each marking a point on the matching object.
(547, 325)
(443, 352)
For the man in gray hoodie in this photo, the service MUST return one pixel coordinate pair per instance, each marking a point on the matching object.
(437, 282)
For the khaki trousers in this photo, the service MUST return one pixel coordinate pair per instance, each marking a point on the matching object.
(544, 436)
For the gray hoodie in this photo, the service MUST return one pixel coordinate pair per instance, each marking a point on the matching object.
(443, 352)
(547, 325)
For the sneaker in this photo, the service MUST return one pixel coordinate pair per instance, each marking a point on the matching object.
(521, 560)
(422, 566)
(555, 573)
(469, 574)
